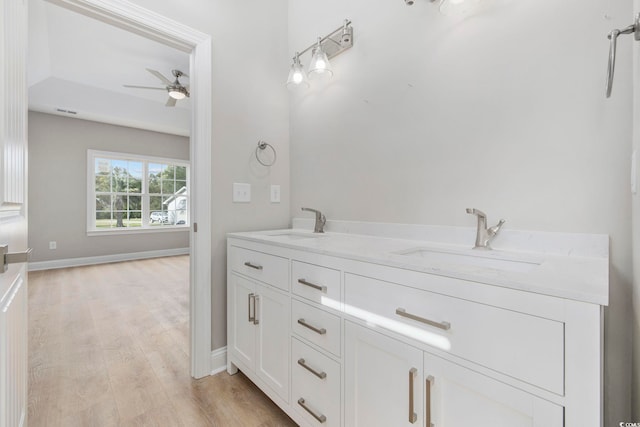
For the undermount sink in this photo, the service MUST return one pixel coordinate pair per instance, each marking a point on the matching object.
(293, 235)
(487, 259)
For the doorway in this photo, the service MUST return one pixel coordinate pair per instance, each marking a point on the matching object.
(198, 45)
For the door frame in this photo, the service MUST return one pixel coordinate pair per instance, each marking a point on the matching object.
(151, 25)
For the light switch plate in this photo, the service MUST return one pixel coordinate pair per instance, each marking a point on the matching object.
(241, 192)
(275, 194)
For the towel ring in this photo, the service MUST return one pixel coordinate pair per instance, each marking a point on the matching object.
(261, 147)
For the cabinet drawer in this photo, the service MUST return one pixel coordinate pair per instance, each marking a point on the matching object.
(317, 326)
(267, 268)
(314, 282)
(526, 347)
(316, 379)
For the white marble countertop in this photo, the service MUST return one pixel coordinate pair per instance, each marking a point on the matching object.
(572, 266)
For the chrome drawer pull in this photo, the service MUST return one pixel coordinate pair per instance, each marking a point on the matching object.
(252, 297)
(321, 375)
(320, 331)
(257, 267)
(413, 417)
(442, 325)
(313, 285)
(430, 380)
(321, 418)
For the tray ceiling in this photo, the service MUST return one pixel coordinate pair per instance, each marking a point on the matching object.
(77, 66)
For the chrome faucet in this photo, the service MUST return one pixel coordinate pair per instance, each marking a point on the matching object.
(484, 235)
(320, 220)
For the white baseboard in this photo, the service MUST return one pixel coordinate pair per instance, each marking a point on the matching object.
(104, 259)
(218, 360)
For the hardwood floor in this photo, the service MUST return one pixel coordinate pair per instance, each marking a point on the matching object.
(108, 346)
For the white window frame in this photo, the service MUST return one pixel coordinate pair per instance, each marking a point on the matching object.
(92, 230)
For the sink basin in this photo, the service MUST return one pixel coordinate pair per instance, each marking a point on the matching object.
(292, 235)
(489, 259)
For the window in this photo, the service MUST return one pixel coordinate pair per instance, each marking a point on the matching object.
(128, 192)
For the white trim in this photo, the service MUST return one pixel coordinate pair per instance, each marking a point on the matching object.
(138, 230)
(126, 15)
(219, 360)
(104, 259)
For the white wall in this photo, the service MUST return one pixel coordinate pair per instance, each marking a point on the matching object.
(250, 103)
(58, 186)
(505, 112)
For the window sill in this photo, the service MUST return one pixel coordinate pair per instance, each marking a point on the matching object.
(115, 231)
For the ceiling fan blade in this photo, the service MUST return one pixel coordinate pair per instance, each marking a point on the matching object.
(145, 87)
(162, 78)
(171, 102)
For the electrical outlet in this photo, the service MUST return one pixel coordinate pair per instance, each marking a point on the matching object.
(241, 192)
(53, 245)
(275, 194)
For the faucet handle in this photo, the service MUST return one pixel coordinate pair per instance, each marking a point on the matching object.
(494, 230)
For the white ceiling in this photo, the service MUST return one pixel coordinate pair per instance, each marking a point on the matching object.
(79, 64)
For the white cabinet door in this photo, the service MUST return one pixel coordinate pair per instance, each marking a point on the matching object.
(383, 380)
(242, 342)
(457, 396)
(272, 316)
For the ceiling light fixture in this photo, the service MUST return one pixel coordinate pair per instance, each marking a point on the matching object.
(452, 7)
(177, 92)
(324, 49)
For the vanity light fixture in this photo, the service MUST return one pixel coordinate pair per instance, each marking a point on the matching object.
(320, 65)
(324, 49)
(297, 76)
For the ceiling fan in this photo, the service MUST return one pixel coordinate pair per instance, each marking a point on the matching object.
(176, 89)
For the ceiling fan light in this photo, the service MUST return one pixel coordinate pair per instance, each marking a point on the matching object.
(176, 93)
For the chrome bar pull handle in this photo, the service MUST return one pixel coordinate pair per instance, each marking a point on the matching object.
(313, 285)
(254, 266)
(251, 297)
(256, 300)
(319, 331)
(321, 418)
(613, 42)
(13, 257)
(441, 325)
(613, 37)
(430, 380)
(413, 417)
(303, 363)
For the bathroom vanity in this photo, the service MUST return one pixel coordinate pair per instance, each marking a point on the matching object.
(400, 325)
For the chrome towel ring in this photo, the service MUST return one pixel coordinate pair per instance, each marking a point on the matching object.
(262, 145)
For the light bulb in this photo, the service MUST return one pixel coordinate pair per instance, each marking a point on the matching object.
(297, 77)
(320, 65)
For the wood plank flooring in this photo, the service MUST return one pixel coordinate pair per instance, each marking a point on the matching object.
(108, 346)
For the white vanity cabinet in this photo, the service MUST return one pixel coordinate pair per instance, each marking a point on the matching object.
(259, 329)
(420, 389)
(341, 331)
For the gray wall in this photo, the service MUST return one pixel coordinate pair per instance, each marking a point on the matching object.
(505, 111)
(58, 186)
